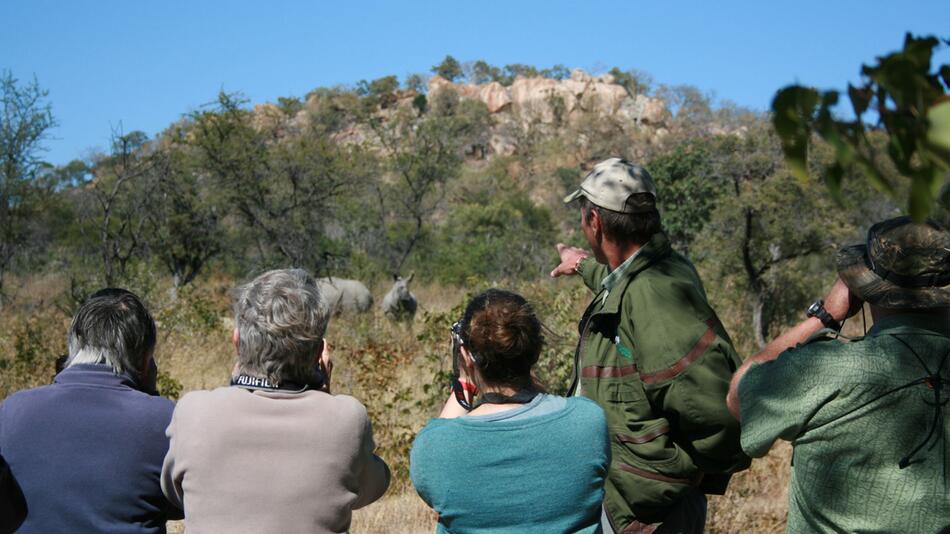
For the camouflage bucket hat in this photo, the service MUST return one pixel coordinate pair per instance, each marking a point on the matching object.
(902, 265)
(611, 183)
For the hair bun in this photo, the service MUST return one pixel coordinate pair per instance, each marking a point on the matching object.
(505, 333)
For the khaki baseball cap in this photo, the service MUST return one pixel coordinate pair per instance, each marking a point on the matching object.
(610, 184)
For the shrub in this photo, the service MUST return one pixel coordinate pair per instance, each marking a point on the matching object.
(501, 237)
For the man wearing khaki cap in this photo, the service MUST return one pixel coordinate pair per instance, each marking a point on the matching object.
(867, 419)
(654, 356)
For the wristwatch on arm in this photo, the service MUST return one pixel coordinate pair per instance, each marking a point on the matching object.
(817, 309)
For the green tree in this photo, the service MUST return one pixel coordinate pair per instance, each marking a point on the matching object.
(234, 156)
(422, 154)
(909, 97)
(769, 238)
(482, 72)
(184, 215)
(118, 201)
(52, 223)
(290, 106)
(690, 187)
(415, 82)
(282, 192)
(381, 91)
(634, 81)
(25, 122)
(500, 233)
(332, 110)
(450, 69)
(692, 109)
(557, 72)
(514, 70)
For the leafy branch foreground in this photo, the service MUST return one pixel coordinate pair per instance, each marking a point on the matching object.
(909, 98)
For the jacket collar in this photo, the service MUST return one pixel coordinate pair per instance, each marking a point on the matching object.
(657, 248)
(95, 375)
(613, 277)
(912, 323)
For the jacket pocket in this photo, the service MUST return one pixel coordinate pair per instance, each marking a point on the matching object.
(623, 392)
(648, 471)
(623, 402)
(648, 445)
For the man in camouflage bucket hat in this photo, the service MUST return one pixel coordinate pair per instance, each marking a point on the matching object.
(867, 419)
(902, 265)
(654, 356)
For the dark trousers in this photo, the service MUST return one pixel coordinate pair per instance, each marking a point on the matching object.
(687, 517)
(12, 505)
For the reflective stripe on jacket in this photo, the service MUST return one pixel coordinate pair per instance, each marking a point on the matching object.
(655, 357)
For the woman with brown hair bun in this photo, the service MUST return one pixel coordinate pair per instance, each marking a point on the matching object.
(504, 456)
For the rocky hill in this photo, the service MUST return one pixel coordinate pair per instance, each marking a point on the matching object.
(536, 102)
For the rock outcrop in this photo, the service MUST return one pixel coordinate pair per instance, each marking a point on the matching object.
(538, 102)
(550, 101)
(526, 104)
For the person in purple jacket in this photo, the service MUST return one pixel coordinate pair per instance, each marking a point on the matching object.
(87, 450)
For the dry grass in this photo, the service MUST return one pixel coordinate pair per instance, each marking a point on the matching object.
(393, 369)
(399, 513)
(757, 499)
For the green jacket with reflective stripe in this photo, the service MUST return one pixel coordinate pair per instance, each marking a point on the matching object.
(655, 357)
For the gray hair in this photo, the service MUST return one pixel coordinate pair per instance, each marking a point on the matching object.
(281, 318)
(112, 327)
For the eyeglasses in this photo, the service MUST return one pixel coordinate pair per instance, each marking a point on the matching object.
(457, 342)
(456, 330)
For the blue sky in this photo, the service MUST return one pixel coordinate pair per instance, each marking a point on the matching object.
(143, 64)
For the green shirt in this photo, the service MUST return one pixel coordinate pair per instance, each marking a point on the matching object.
(841, 407)
(617, 275)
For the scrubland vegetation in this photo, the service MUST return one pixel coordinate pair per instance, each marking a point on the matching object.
(384, 177)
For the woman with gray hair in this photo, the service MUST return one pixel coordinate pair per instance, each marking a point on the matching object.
(274, 452)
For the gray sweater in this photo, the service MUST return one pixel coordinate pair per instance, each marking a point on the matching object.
(265, 461)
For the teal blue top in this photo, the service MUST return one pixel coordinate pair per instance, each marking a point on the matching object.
(515, 472)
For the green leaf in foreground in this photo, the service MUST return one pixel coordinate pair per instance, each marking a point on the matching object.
(912, 107)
